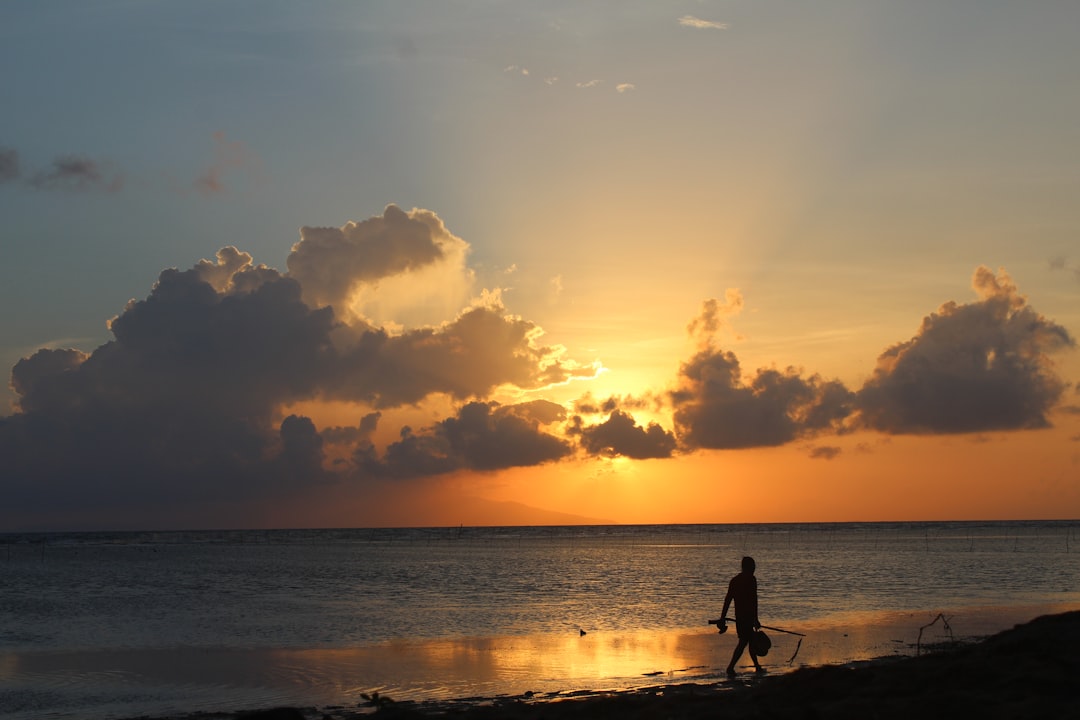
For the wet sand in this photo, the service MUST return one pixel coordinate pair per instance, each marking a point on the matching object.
(1031, 670)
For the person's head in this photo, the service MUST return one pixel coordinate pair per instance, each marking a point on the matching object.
(748, 565)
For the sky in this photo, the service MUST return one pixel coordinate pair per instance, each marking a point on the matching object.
(475, 262)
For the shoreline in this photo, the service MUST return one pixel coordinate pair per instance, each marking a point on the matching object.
(1029, 670)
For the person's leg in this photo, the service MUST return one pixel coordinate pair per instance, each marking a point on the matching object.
(735, 656)
(757, 665)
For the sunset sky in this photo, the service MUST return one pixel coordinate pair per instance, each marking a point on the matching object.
(279, 264)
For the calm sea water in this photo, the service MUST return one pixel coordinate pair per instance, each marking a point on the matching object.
(76, 607)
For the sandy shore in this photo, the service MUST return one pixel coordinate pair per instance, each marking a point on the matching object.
(1030, 671)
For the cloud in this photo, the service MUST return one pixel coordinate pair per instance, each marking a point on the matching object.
(975, 367)
(715, 409)
(589, 405)
(694, 22)
(483, 436)
(825, 452)
(706, 327)
(555, 289)
(228, 155)
(621, 435)
(74, 173)
(971, 368)
(334, 264)
(624, 87)
(9, 165)
(1062, 263)
(588, 84)
(471, 356)
(187, 405)
(195, 404)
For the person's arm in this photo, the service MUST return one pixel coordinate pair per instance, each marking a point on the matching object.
(727, 604)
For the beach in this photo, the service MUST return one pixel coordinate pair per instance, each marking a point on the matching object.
(165, 625)
(1030, 670)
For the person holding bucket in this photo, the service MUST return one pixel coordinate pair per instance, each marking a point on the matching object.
(743, 591)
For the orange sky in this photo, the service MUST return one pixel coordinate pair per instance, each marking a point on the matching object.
(398, 264)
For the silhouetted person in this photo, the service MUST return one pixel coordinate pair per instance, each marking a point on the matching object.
(743, 591)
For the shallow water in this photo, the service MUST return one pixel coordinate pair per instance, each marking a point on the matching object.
(107, 625)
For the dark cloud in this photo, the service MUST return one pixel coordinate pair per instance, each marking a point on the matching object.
(78, 174)
(621, 435)
(359, 435)
(467, 358)
(332, 262)
(589, 405)
(483, 436)
(301, 450)
(180, 407)
(824, 452)
(975, 367)
(714, 408)
(187, 405)
(9, 165)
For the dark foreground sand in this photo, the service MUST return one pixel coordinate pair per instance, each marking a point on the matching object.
(1031, 671)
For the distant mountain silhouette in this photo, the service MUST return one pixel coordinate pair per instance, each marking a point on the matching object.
(480, 512)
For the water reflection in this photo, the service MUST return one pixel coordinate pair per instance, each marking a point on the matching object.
(158, 681)
(513, 665)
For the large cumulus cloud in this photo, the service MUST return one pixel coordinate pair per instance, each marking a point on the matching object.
(975, 367)
(185, 403)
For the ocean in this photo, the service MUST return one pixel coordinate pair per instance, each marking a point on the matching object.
(113, 625)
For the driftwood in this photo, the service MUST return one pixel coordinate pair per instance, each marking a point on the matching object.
(945, 623)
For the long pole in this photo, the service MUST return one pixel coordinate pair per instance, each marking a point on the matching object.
(767, 627)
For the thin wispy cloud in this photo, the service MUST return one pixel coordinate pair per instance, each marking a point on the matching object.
(1062, 263)
(696, 22)
(588, 84)
(9, 164)
(625, 87)
(228, 155)
(74, 173)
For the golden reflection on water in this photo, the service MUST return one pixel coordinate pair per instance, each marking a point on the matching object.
(486, 667)
(464, 667)
(514, 665)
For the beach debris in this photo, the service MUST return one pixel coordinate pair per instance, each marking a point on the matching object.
(797, 646)
(944, 621)
(376, 700)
